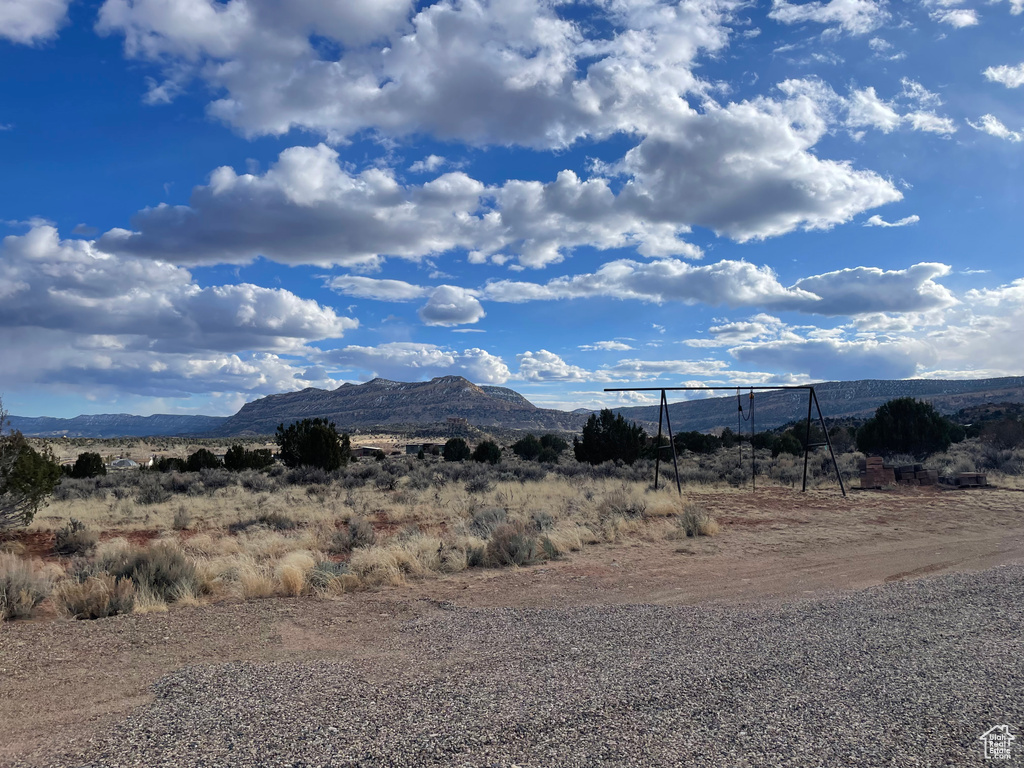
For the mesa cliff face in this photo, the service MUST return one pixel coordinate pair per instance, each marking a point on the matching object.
(381, 402)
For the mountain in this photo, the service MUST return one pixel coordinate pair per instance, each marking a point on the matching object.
(383, 403)
(380, 403)
(115, 425)
(837, 399)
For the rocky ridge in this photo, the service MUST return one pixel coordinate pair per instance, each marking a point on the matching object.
(381, 402)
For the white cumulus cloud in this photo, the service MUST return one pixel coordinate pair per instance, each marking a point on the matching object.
(856, 17)
(739, 284)
(505, 71)
(360, 287)
(428, 164)
(861, 290)
(32, 21)
(451, 305)
(606, 346)
(543, 366)
(408, 361)
(73, 286)
(993, 126)
(732, 283)
(956, 17)
(1010, 76)
(878, 221)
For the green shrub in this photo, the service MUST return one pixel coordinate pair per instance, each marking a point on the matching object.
(27, 477)
(542, 521)
(307, 475)
(357, 533)
(257, 481)
(96, 597)
(234, 458)
(456, 449)
(548, 456)
(161, 570)
(553, 443)
(476, 557)
(22, 587)
(88, 465)
(217, 477)
(168, 464)
(386, 482)
(906, 425)
(238, 458)
(1006, 433)
(74, 539)
(487, 452)
(528, 447)
(609, 438)
(360, 533)
(485, 521)
(478, 484)
(696, 442)
(152, 493)
(204, 458)
(549, 549)
(313, 443)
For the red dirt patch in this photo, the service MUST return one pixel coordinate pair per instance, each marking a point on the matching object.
(35, 543)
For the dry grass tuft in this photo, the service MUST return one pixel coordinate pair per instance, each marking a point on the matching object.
(24, 584)
(697, 521)
(376, 567)
(255, 581)
(147, 601)
(569, 537)
(623, 503)
(292, 572)
(512, 544)
(182, 518)
(12, 548)
(96, 598)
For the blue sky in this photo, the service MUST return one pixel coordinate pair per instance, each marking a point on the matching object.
(206, 202)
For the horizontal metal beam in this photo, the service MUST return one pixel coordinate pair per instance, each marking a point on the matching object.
(701, 389)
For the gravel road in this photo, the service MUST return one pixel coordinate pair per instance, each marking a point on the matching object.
(904, 674)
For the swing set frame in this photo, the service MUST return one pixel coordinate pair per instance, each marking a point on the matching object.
(812, 401)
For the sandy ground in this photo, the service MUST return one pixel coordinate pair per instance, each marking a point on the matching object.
(62, 683)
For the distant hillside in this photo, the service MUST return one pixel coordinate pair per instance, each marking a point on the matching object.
(115, 425)
(380, 402)
(383, 403)
(838, 399)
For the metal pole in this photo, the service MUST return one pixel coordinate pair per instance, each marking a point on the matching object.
(739, 428)
(812, 400)
(657, 450)
(807, 438)
(672, 442)
(828, 441)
